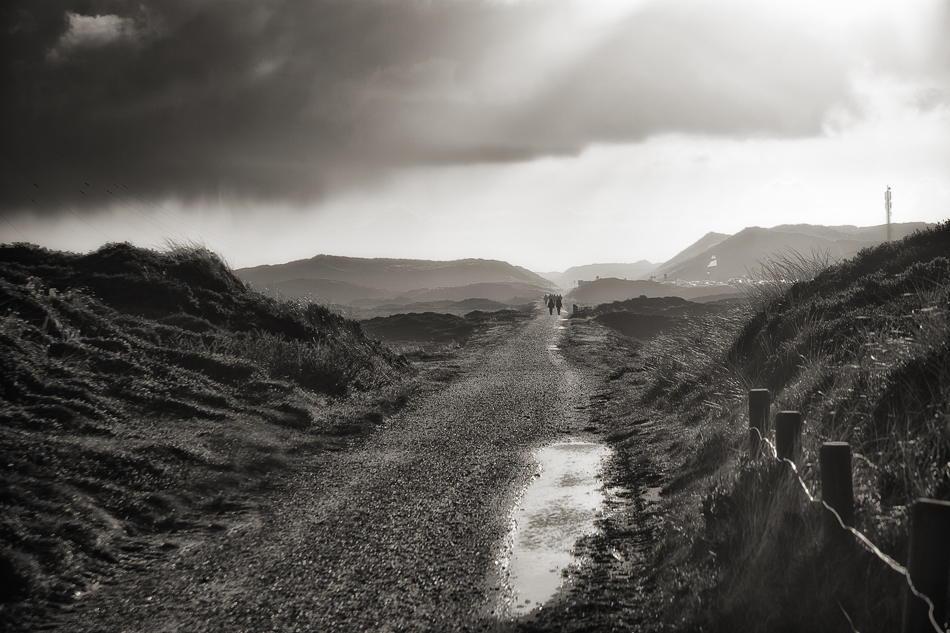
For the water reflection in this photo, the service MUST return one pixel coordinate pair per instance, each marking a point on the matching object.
(557, 509)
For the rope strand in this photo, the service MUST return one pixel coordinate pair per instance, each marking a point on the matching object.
(859, 536)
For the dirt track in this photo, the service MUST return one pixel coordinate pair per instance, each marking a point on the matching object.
(399, 534)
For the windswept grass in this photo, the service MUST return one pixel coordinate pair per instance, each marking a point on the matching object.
(142, 391)
(775, 275)
(862, 349)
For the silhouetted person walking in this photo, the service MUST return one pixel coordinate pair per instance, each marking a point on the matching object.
(558, 304)
(551, 305)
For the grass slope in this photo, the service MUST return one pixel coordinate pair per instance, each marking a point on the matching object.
(144, 392)
(862, 349)
(645, 317)
(435, 327)
(610, 290)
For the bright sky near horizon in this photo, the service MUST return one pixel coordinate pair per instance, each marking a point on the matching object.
(546, 133)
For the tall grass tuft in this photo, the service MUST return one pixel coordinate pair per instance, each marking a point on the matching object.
(775, 275)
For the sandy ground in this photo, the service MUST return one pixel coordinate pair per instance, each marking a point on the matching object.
(402, 533)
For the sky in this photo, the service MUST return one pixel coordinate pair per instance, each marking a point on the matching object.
(545, 133)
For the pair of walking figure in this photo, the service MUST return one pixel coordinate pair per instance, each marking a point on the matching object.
(554, 301)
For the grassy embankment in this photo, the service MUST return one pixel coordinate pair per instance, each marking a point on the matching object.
(646, 317)
(414, 333)
(862, 349)
(144, 392)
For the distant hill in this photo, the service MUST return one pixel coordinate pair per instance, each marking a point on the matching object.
(589, 272)
(700, 246)
(368, 309)
(382, 278)
(643, 318)
(435, 327)
(741, 254)
(421, 326)
(322, 290)
(506, 292)
(459, 308)
(360, 300)
(608, 290)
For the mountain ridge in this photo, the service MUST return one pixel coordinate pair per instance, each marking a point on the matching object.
(588, 272)
(741, 254)
(383, 278)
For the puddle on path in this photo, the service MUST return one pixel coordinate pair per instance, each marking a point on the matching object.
(558, 508)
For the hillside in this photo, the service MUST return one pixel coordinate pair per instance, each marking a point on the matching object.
(393, 276)
(500, 292)
(608, 290)
(344, 293)
(693, 250)
(741, 254)
(645, 317)
(568, 279)
(142, 392)
(862, 349)
(419, 326)
(322, 290)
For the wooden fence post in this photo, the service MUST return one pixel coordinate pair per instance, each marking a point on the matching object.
(758, 420)
(834, 461)
(788, 432)
(928, 561)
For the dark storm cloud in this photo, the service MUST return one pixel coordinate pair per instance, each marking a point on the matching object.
(289, 100)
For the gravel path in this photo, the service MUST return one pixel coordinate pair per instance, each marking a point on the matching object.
(401, 533)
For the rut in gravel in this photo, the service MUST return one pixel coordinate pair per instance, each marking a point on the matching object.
(401, 533)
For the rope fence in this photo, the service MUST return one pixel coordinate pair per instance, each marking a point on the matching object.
(928, 568)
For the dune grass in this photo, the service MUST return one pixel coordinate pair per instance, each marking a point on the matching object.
(862, 349)
(143, 392)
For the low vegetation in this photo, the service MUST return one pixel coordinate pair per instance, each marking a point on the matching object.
(143, 392)
(646, 317)
(432, 327)
(862, 349)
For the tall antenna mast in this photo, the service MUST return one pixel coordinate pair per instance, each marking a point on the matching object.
(887, 207)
